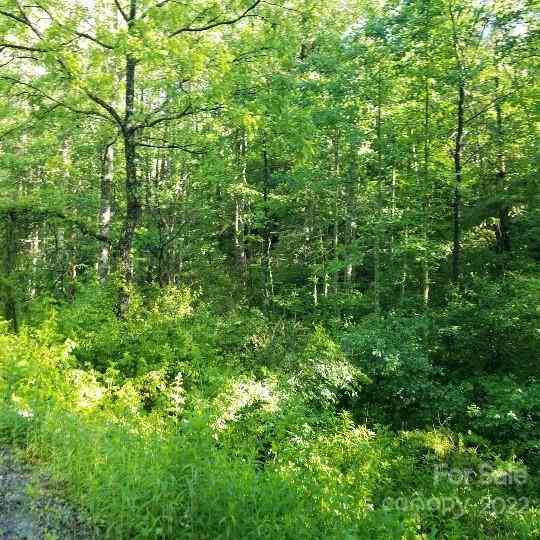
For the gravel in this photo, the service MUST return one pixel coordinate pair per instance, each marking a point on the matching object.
(30, 507)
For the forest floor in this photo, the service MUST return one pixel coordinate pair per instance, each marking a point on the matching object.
(30, 506)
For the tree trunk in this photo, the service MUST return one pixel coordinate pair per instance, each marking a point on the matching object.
(502, 230)
(267, 236)
(10, 298)
(35, 253)
(457, 153)
(133, 204)
(105, 211)
(426, 283)
(335, 235)
(352, 179)
(378, 225)
(239, 244)
(456, 204)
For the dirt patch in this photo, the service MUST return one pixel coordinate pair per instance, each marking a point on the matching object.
(31, 510)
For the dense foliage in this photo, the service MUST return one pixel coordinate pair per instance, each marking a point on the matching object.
(270, 269)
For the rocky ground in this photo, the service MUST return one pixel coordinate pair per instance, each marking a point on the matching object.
(30, 507)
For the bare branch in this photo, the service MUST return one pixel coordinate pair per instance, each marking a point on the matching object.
(37, 90)
(4, 45)
(162, 3)
(122, 12)
(492, 103)
(173, 146)
(57, 102)
(187, 111)
(211, 25)
(8, 62)
(81, 226)
(92, 38)
(109, 108)
(27, 19)
(280, 6)
(23, 19)
(85, 35)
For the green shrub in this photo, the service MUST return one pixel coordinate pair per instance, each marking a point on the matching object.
(149, 338)
(324, 376)
(391, 353)
(507, 413)
(33, 374)
(492, 327)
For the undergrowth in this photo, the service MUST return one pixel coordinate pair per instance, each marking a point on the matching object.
(177, 423)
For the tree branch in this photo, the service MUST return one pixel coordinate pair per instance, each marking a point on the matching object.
(188, 111)
(4, 45)
(91, 38)
(12, 16)
(46, 213)
(157, 5)
(122, 12)
(211, 25)
(492, 103)
(81, 226)
(85, 35)
(109, 108)
(174, 146)
(57, 102)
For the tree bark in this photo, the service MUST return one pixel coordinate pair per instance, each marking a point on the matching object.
(239, 244)
(457, 153)
(335, 232)
(456, 204)
(378, 225)
(426, 282)
(105, 211)
(502, 230)
(268, 281)
(10, 299)
(132, 188)
(352, 179)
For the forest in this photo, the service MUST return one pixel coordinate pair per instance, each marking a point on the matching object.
(269, 269)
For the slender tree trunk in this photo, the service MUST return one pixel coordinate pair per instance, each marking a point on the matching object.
(404, 273)
(393, 194)
(239, 244)
(161, 172)
(105, 210)
(10, 257)
(35, 252)
(456, 204)
(378, 225)
(324, 262)
(335, 236)
(131, 220)
(71, 245)
(502, 230)
(457, 152)
(267, 236)
(186, 219)
(426, 283)
(349, 224)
